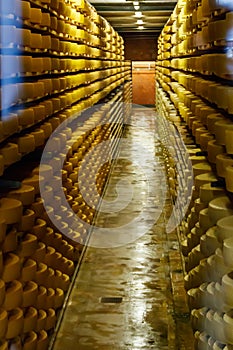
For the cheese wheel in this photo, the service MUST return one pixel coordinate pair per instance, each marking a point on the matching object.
(30, 320)
(25, 194)
(26, 143)
(204, 139)
(28, 270)
(30, 293)
(213, 150)
(224, 228)
(220, 207)
(198, 132)
(33, 181)
(229, 178)
(201, 168)
(229, 140)
(212, 119)
(39, 137)
(3, 327)
(35, 16)
(39, 112)
(13, 296)
(208, 192)
(11, 268)
(204, 179)
(26, 117)
(220, 128)
(36, 41)
(10, 210)
(222, 161)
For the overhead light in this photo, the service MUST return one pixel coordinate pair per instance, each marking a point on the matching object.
(140, 27)
(138, 14)
(136, 3)
(137, 7)
(140, 21)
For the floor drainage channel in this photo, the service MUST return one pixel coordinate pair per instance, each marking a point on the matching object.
(111, 300)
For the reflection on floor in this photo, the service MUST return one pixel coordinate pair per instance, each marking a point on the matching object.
(144, 275)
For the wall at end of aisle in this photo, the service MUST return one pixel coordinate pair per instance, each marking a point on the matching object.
(140, 48)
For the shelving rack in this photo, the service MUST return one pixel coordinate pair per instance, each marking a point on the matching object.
(194, 90)
(59, 59)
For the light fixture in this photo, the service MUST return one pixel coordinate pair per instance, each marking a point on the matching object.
(138, 14)
(137, 7)
(140, 21)
(135, 3)
(140, 27)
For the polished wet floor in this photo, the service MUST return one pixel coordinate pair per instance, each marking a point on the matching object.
(128, 293)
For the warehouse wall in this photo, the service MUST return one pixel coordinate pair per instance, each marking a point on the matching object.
(140, 48)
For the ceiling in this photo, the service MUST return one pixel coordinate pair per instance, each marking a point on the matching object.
(123, 16)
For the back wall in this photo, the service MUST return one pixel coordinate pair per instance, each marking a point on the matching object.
(140, 48)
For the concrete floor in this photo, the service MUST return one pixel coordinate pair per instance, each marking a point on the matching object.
(133, 258)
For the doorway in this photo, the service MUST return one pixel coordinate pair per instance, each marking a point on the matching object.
(143, 80)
